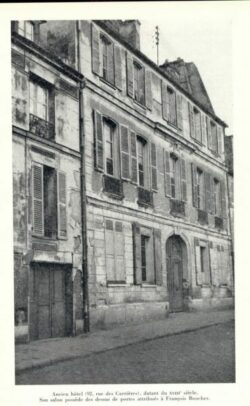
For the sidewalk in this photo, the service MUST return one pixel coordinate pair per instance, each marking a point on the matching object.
(45, 352)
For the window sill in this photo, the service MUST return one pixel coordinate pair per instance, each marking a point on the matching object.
(116, 284)
(113, 187)
(148, 285)
(44, 238)
(107, 83)
(140, 105)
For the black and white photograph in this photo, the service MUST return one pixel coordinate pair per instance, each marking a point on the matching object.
(122, 167)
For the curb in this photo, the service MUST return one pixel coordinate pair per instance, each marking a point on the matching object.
(44, 363)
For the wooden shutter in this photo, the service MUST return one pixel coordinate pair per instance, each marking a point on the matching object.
(165, 101)
(137, 253)
(133, 154)
(95, 50)
(110, 64)
(223, 199)
(125, 170)
(203, 130)
(130, 76)
(191, 120)
(179, 111)
(183, 180)
(98, 144)
(110, 250)
(148, 89)
(62, 204)
(208, 196)
(212, 194)
(119, 253)
(37, 195)
(157, 256)
(167, 180)
(118, 67)
(153, 167)
(199, 276)
(194, 185)
(209, 138)
(220, 139)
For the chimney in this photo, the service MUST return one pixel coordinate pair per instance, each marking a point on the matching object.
(130, 30)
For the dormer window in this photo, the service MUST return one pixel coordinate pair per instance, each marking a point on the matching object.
(26, 29)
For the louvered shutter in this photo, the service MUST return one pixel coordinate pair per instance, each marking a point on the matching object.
(153, 167)
(124, 144)
(191, 120)
(148, 89)
(130, 76)
(203, 130)
(98, 142)
(158, 257)
(118, 67)
(167, 180)
(137, 253)
(209, 136)
(220, 140)
(194, 185)
(199, 276)
(223, 199)
(62, 204)
(38, 215)
(133, 157)
(110, 65)
(110, 250)
(95, 50)
(179, 111)
(119, 253)
(208, 196)
(212, 194)
(183, 180)
(165, 101)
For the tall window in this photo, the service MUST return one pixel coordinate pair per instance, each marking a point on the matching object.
(174, 164)
(171, 96)
(107, 60)
(141, 161)
(108, 131)
(39, 101)
(26, 29)
(200, 190)
(139, 83)
(203, 258)
(217, 197)
(197, 124)
(214, 137)
(114, 247)
(147, 259)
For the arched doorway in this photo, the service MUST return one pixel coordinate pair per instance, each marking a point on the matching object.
(176, 271)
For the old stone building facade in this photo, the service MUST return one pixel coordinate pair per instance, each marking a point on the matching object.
(157, 236)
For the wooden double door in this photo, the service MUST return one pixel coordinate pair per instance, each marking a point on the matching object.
(51, 306)
(175, 273)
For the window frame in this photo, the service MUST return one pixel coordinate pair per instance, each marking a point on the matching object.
(114, 231)
(36, 85)
(137, 67)
(172, 103)
(145, 157)
(197, 124)
(200, 189)
(107, 121)
(23, 31)
(217, 197)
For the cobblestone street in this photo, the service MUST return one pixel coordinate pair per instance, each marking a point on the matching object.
(202, 356)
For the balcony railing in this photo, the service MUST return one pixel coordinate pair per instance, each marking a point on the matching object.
(113, 187)
(218, 222)
(145, 197)
(202, 217)
(42, 128)
(177, 207)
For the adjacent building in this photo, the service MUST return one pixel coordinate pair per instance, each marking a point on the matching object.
(156, 226)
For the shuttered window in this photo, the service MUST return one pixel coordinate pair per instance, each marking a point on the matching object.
(49, 202)
(26, 29)
(197, 125)
(203, 275)
(175, 176)
(172, 116)
(107, 60)
(139, 83)
(114, 247)
(217, 197)
(153, 167)
(200, 189)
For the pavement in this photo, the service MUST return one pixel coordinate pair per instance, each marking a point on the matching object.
(37, 354)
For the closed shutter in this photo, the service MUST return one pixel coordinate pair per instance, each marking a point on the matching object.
(62, 214)
(137, 253)
(110, 65)
(130, 76)
(125, 172)
(212, 194)
(119, 253)
(37, 195)
(183, 180)
(133, 157)
(99, 161)
(209, 135)
(95, 50)
(167, 180)
(165, 101)
(148, 89)
(110, 250)
(194, 185)
(203, 130)
(158, 257)
(208, 196)
(118, 67)
(191, 120)
(179, 111)
(199, 275)
(223, 199)
(153, 167)
(220, 140)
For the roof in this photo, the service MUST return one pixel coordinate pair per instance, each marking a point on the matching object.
(193, 96)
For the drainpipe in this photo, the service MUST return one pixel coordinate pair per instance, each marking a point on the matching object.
(83, 192)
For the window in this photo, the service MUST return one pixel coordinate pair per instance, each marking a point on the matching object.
(139, 83)
(217, 198)
(107, 60)
(49, 202)
(115, 258)
(214, 137)
(39, 106)
(200, 190)
(108, 132)
(141, 161)
(26, 29)
(202, 255)
(197, 124)
(175, 177)
(202, 262)
(171, 96)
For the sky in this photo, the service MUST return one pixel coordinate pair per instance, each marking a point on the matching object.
(206, 42)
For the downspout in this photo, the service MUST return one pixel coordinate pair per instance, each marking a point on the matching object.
(83, 191)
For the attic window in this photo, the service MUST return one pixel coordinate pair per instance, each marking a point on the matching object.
(26, 29)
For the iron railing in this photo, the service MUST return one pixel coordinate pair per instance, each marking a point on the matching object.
(42, 128)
